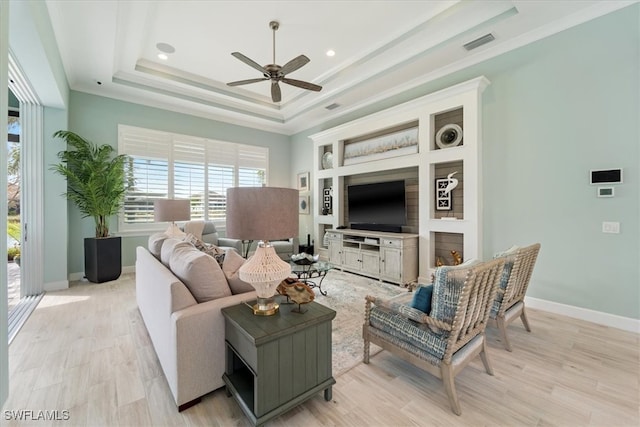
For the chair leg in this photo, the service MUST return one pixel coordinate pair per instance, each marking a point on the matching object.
(503, 330)
(485, 357)
(450, 387)
(525, 321)
(365, 357)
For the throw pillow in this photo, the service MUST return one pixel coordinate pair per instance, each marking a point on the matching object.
(155, 243)
(167, 250)
(208, 248)
(231, 268)
(422, 298)
(509, 254)
(200, 273)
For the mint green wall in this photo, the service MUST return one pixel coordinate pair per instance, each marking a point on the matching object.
(554, 110)
(97, 119)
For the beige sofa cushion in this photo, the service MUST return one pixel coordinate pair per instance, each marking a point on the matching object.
(231, 266)
(199, 272)
(167, 249)
(155, 243)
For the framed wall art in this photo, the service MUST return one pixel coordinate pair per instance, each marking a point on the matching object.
(303, 181)
(443, 197)
(303, 205)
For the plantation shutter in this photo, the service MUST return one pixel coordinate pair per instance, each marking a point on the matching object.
(149, 152)
(201, 170)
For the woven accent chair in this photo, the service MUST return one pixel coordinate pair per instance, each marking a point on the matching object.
(446, 340)
(509, 302)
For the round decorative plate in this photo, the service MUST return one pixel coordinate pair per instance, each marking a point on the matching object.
(327, 160)
(449, 136)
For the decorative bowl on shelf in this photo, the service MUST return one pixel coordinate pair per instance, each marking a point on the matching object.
(327, 160)
(304, 258)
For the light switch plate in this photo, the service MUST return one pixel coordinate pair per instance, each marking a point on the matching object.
(611, 227)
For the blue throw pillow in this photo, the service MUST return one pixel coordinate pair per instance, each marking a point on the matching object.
(422, 298)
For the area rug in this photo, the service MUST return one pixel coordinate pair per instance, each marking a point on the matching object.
(345, 294)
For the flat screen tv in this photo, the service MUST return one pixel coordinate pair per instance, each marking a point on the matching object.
(380, 206)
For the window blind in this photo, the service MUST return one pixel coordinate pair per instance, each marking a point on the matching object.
(201, 170)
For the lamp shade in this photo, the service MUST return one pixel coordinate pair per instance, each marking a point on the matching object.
(167, 210)
(262, 213)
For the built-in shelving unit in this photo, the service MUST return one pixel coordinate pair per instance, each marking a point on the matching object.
(448, 141)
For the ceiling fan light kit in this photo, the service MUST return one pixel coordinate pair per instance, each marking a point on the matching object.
(275, 72)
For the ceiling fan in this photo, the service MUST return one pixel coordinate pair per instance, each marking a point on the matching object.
(274, 72)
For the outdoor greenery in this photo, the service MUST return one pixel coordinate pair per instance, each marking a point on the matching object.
(97, 179)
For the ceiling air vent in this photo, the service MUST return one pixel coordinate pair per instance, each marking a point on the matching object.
(332, 106)
(479, 41)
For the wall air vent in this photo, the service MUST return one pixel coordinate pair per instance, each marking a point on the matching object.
(332, 106)
(479, 41)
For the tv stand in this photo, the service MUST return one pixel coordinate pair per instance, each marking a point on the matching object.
(377, 227)
(392, 257)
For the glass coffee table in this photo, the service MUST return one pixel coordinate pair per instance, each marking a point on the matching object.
(305, 272)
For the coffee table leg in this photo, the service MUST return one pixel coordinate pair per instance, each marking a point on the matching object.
(327, 394)
(324, 293)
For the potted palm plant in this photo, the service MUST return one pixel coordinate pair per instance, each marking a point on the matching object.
(97, 180)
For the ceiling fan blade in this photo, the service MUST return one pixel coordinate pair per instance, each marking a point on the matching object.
(303, 85)
(250, 62)
(246, 82)
(294, 64)
(276, 96)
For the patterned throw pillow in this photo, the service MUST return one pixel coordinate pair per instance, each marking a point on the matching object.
(207, 248)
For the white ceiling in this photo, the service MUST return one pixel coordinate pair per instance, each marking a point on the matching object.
(382, 48)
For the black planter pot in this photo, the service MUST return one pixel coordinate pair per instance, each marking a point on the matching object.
(102, 258)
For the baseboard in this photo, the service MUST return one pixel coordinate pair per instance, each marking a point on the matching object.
(129, 269)
(56, 286)
(599, 317)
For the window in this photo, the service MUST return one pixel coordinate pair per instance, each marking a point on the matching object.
(168, 165)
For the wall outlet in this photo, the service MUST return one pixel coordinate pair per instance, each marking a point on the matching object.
(611, 227)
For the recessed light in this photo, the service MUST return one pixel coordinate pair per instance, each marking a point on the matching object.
(331, 52)
(163, 56)
(165, 47)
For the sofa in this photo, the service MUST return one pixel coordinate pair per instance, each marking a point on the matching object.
(185, 324)
(284, 248)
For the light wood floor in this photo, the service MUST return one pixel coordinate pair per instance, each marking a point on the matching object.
(86, 350)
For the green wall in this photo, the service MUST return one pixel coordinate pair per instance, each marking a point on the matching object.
(97, 118)
(554, 110)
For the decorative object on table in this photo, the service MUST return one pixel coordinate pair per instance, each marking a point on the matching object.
(452, 183)
(263, 213)
(304, 258)
(97, 180)
(393, 144)
(281, 289)
(297, 292)
(449, 136)
(303, 205)
(443, 198)
(303, 181)
(326, 201)
(457, 259)
(172, 210)
(327, 160)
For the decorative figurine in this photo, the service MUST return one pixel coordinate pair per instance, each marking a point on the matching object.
(439, 262)
(298, 292)
(457, 259)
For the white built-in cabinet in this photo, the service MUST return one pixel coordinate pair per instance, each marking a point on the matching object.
(437, 230)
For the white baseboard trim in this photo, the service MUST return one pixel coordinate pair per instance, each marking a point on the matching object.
(599, 317)
(56, 286)
(73, 277)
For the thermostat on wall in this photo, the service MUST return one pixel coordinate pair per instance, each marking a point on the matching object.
(606, 176)
(606, 192)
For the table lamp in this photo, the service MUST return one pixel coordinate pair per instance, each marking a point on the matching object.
(172, 210)
(263, 213)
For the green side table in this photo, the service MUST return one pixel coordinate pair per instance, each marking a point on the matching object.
(274, 363)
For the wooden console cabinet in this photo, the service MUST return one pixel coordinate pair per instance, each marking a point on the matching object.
(392, 257)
